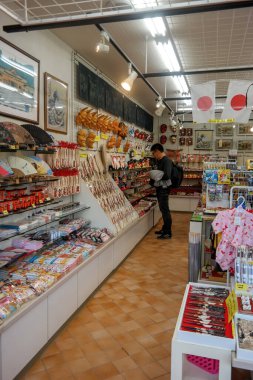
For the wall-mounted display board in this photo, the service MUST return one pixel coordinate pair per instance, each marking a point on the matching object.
(100, 94)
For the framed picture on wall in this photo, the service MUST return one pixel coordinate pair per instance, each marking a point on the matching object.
(203, 139)
(224, 130)
(245, 129)
(56, 104)
(19, 83)
(223, 144)
(245, 145)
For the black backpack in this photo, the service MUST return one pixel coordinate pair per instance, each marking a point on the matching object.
(177, 175)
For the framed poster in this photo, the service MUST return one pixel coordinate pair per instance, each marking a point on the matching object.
(245, 129)
(224, 130)
(221, 144)
(245, 145)
(55, 104)
(19, 83)
(203, 139)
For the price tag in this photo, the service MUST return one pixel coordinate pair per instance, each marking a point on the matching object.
(12, 146)
(48, 199)
(5, 212)
(104, 136)
(241, 287)
(97, 138)
(40, 201)
(120, 150)
(237, 221)
(83, 155)
(33, 205)
(231, 304)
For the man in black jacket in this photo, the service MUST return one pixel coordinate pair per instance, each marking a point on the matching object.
(163, 189)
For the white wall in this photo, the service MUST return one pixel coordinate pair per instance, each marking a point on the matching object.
(55, 58)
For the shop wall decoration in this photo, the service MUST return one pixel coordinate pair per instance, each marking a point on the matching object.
(19, 83)
(245, 145)
(56, 104)
(245, 129)
(224, 130)
(224, 144)
(203, 139)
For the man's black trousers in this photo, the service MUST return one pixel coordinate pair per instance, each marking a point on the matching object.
(163, 202)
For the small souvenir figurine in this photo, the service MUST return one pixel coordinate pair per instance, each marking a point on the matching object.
(163, 139)
(163, 128)
(189, 141)
(173, 139)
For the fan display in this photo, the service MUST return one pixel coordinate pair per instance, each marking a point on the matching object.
(5, 169)
(40, 165)
(19, 134)
(6, 137)
(40, 136)
(20, 166)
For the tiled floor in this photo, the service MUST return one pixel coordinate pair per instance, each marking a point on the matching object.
(124, 331)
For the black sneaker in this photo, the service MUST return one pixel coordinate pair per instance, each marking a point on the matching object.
(160, 232)
(164, 236)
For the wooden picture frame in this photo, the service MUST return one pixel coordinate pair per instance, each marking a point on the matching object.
(244, 145)
(223, 144)
(203, 139)
(55, 104)
(244, 129)
(224, 130)
(19, 83)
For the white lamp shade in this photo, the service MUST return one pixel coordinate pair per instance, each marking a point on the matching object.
(159, 111)
(127, 84)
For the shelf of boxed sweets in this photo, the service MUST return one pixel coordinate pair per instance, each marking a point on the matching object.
(38, 270)
(39, 219)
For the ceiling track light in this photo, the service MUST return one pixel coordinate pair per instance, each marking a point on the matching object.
(127, 84)
(102, 46)
(159, 102)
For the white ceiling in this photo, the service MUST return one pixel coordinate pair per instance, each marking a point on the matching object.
(206, 40)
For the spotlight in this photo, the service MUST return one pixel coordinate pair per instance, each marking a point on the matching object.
(102, 47)
(159, 111)
(127, 84)
(159, 102)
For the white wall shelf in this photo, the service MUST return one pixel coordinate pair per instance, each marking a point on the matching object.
(21, 338)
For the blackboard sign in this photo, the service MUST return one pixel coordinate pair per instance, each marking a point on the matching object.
(101, 93)
(129, 111)
(93, 89)
(98, 93)
(82, 82)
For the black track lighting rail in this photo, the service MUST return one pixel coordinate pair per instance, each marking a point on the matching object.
(136, 15)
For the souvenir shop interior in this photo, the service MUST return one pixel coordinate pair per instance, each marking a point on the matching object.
(75, 192)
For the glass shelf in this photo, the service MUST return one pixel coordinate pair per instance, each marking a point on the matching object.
(66, 213)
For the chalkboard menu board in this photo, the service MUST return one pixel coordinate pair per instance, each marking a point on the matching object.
(114, 101)
(129, 111)
(82, 82)
(98, 93)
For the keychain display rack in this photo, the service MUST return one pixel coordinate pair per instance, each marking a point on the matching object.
(241, 191)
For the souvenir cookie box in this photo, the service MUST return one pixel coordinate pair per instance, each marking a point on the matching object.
(194, 324)
(244, 337)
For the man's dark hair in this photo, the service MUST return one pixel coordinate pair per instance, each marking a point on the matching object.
(157, 146)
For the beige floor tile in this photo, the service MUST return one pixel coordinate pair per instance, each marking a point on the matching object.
(135, 374)
(60, 372)
(153, 370)
(78, 365)
(53, 361)
(141, 358)
(43, 375)
(125, 364)
(105, 371)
